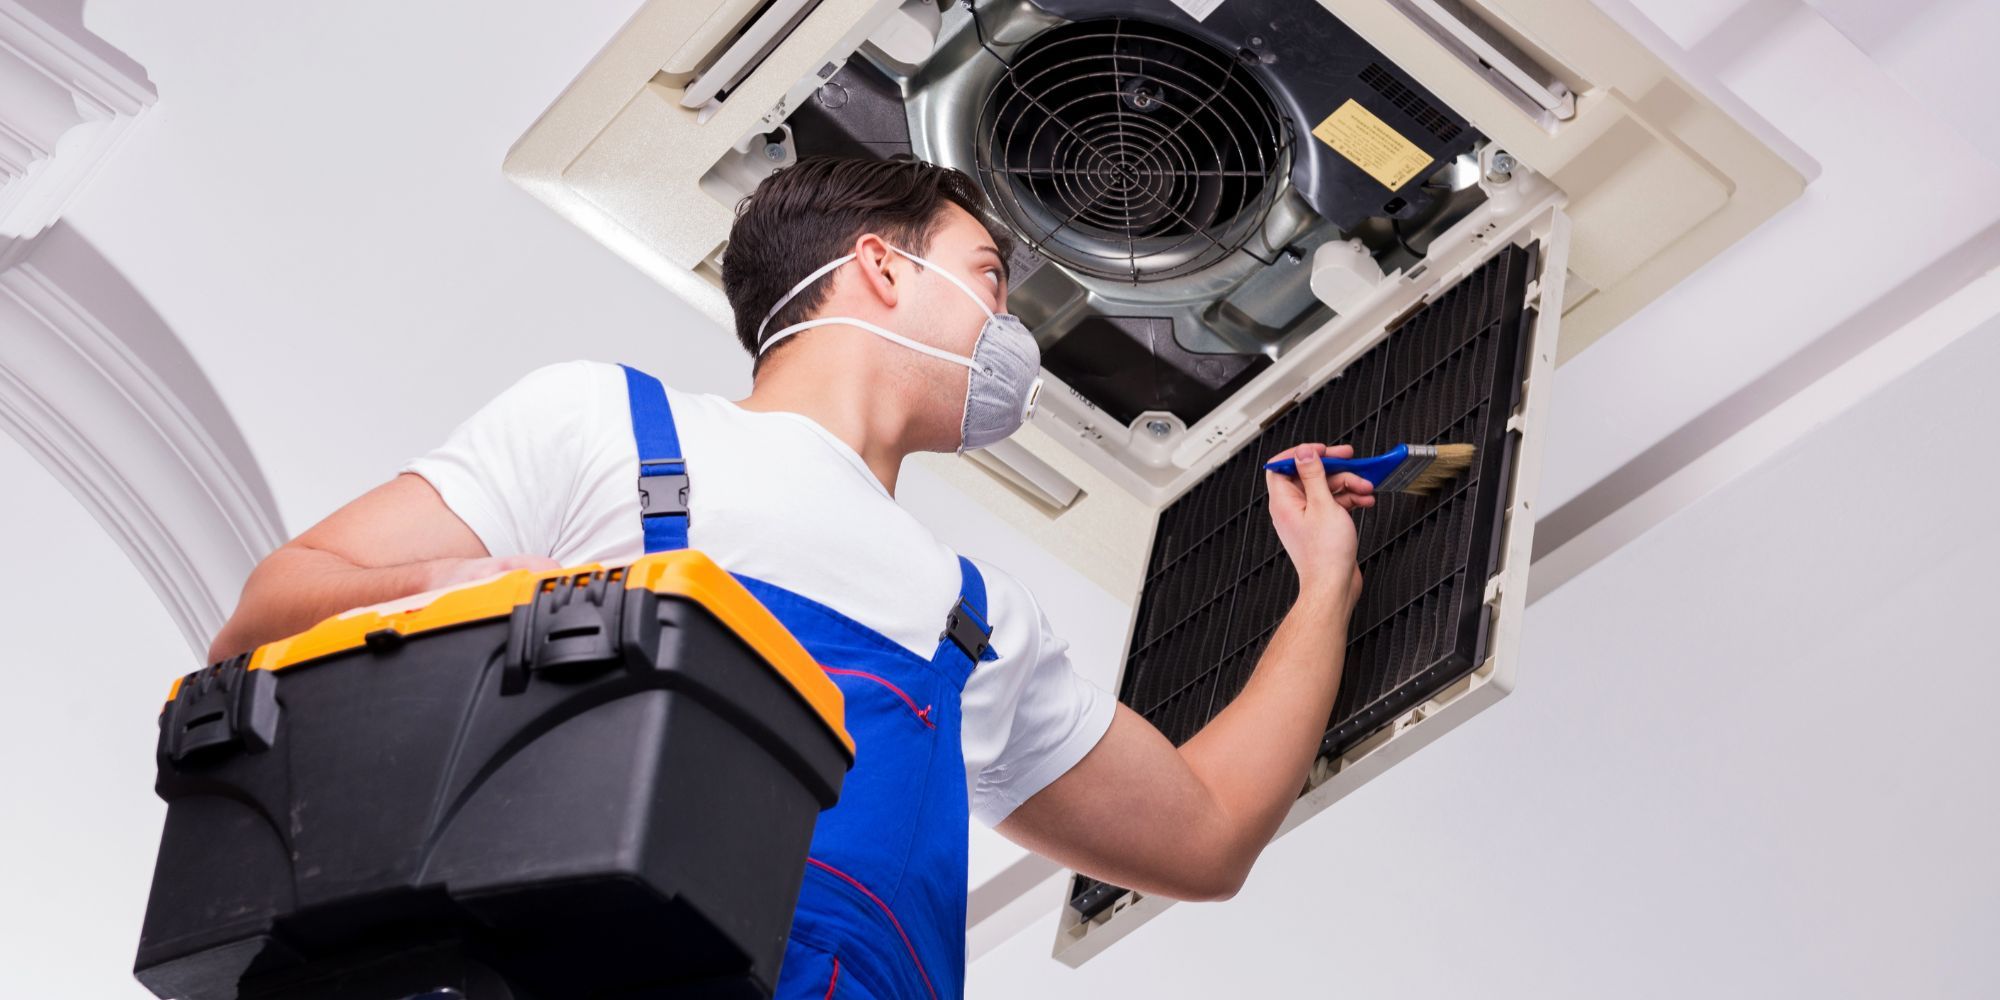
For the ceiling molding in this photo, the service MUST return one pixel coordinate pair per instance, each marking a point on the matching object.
(103, 394)
(67, 98)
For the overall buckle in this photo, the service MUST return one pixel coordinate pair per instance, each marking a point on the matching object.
(967, 631)
(663, 493)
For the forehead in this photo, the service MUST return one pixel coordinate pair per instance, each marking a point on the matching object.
(959, 230)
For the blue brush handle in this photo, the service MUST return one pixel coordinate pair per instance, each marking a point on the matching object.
(1373, 469)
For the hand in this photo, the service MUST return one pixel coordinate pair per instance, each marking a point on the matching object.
(1311, 515)
(452, 572)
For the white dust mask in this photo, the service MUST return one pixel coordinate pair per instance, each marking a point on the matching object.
(1005, 367)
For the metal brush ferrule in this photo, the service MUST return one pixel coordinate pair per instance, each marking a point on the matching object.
(1421, 457)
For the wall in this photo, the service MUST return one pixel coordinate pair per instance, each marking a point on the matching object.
(89, 654)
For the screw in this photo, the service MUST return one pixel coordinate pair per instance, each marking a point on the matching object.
(1501, 169)
(1160, 428)
(775, 152)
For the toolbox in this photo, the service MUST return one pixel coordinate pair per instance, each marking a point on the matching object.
(592, 782)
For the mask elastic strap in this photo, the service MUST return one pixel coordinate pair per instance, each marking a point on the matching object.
(822, 271)
(796, 289)
(948, 276)
(876, 330)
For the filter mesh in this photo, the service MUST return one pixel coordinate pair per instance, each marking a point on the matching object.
(1219, 582)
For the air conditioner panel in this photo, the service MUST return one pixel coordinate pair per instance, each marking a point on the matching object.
(1392, 702)
(1219, 582)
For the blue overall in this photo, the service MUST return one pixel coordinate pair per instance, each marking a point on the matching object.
(881, 911)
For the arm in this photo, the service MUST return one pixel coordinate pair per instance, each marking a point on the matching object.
(1189, 822)
(397, 539)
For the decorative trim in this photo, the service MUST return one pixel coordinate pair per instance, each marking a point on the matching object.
(67, 99)
(107, 398)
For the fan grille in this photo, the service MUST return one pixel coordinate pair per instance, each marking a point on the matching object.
(1130, 151)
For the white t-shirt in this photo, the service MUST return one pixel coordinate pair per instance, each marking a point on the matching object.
(549, 467)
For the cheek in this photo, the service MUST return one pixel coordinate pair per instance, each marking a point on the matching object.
(972, 321)
(955, 327)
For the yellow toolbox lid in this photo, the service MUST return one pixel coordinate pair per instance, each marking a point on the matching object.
(683, 572)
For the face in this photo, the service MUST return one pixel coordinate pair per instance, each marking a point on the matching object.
(944, 315)
(941, 305)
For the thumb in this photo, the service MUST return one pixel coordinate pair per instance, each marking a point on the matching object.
(1312, 475)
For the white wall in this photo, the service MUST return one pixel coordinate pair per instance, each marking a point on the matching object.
(1751, 755)
(89, 655)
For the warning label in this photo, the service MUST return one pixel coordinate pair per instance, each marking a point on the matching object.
(1369, 143)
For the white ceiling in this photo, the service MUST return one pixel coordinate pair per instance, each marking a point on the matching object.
(316, 206)
(1751, 755)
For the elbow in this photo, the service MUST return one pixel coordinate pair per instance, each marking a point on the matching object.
(1211, 881)
(1222, 885)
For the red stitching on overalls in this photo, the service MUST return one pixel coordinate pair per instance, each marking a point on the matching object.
(891, 914)
(923, 714)
(833, 979)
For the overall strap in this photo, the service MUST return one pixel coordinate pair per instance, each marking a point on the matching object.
(967, 626)
(663, 478)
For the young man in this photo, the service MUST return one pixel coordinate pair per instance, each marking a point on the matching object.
(874, 299)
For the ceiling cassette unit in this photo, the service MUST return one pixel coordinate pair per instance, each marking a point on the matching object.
(1241, 224)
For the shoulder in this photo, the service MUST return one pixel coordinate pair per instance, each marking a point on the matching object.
(574, 379)
(568, 398)
(1022, 634)
(1006, 597)
(999, 581)
(554, 393)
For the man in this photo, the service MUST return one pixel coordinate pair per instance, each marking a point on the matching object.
(873, 298)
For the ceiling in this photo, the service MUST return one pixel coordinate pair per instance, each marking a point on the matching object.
(315, 206)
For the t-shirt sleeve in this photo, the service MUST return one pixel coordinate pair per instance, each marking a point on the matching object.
(1030, 716)
(510, 470)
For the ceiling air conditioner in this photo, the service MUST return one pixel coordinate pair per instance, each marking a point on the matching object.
(1243, 224)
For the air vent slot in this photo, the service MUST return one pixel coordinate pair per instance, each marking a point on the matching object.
(1412, 104)
(1219, 582)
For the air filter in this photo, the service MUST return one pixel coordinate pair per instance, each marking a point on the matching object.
(1219, 583)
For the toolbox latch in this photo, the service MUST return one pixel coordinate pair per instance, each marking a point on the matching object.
(222, 707)
(570, 629)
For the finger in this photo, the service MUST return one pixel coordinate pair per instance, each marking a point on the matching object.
(1341, 451)
(1312, 476)
(1348, 482)
(1355, 501)
(1284, 489)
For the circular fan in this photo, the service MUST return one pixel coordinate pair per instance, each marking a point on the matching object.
(1130, 151)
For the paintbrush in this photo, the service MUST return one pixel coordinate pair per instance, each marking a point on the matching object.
(1406, 468)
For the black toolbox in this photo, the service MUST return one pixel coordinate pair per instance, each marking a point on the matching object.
(595, 782)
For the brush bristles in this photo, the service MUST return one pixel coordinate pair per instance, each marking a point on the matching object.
(1446, 463)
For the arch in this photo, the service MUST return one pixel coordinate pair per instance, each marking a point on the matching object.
(100, 390)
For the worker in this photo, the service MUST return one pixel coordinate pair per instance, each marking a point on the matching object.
(872, 295)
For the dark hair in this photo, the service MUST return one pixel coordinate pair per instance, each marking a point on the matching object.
(807, 214)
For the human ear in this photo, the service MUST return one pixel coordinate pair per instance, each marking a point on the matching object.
(878, 273)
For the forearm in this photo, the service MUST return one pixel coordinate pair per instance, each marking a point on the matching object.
(296, 587)
(1254, 756)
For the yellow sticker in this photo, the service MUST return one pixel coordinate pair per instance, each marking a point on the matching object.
(1369, 143)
